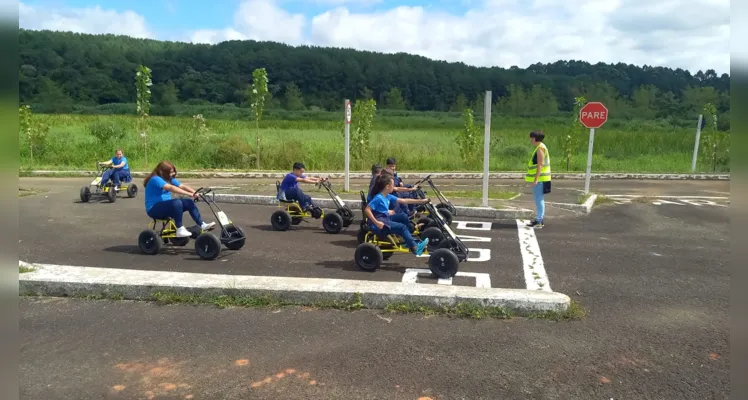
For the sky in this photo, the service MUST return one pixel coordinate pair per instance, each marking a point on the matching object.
(688, 34)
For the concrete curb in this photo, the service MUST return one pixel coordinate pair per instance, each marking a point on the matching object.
(479, 212)
(585, 208)
(64, 280)
(404, 175)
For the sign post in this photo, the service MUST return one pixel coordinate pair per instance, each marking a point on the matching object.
(486, 144)
(696, 145)
(593, 115)
(347, 145)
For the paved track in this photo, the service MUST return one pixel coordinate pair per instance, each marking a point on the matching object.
(654, 280)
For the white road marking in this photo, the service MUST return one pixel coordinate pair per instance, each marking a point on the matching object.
(467, 238)
(466, 225)
(661, 202)
(482, 280)
(535, 276)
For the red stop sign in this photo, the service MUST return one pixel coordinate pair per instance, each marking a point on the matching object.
(593, 115)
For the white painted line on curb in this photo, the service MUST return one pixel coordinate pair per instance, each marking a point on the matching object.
(62, 280)
(482, 280)
(614, 196)
(532, 260)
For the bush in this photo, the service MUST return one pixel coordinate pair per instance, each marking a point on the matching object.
(106, 132)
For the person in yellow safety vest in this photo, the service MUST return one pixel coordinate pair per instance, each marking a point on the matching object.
(539, 175)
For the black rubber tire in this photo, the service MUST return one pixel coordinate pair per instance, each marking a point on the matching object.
(296, 220)
(386, 256)
(208, 246)
(234, 231)
(426, 221)
(111, 195)
(179, 241)
(446, 215)
(368, 257)
(443, 263)
(150, 242)
(132, 190)
(333, 223)
(435, 236)
(452, 210)
(280, 220)
(85, 194)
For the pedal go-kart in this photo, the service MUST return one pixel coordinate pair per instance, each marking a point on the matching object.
(413, 225)
(332, 222)
(108, 190)
(444, 256)
(207, 245)
(445, 207)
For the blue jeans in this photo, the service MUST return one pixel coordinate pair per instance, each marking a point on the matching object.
(537, 193)
(406, 208)
(296, 194)
(397, 228)
(400, 218)
(174, 208)
(115, 175)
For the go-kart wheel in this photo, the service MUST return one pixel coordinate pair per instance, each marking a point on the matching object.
(332, 223)
(150, 242)
(426, 221)
(235, 233)
(132, 190)
(208, 246)
(368, 256)
(179, 241)
(316, 212)
(280, 220)
(446, 215)
(447, 243)
(443, 263)
(452, 210)
(111, 194)
(434, 235)
(85, 194)
(386, 256)
(296, 220)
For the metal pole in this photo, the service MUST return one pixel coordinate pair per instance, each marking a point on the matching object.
(696, 145)
(486, 144)
(589, 162)
(347, 146)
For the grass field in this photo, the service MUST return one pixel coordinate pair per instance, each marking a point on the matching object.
(77, 141)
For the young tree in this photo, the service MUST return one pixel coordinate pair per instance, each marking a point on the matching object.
(258, 97)
(143, 85)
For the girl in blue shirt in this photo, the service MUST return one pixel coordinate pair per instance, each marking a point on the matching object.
(378, 211)
(159, 186)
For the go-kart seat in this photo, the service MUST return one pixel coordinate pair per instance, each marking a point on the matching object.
(281, 196)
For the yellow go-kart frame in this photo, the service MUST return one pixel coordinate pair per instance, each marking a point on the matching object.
(290, 212)
(445, 254)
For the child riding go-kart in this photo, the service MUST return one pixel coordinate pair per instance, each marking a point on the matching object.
(107, 190)
(293, 214)
(444, 204)
(207, 245)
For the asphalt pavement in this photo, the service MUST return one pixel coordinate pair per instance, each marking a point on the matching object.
(653, 279)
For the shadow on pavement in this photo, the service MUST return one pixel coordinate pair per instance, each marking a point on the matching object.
(350, 265)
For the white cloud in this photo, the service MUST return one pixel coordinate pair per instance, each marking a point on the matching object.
(258, 20)
(95, 20)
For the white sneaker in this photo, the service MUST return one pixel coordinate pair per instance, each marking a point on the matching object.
(183, 232)
(205, 226)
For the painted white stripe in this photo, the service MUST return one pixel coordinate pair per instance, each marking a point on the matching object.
(615, 196)
(535, 276)
(473, 225)
(483, 255)
(468, 238)
(482, 280)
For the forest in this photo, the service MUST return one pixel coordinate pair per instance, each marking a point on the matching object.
(64, 72)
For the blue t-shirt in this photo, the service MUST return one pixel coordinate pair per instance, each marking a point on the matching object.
(289, 181)
(115, 161)
(155, 193)
(380, 205)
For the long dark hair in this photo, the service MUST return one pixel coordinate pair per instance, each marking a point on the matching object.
(380, 183)
(163, 169)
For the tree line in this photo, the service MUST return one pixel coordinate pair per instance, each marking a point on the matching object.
(59, 71)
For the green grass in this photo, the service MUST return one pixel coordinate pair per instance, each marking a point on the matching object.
(620, 146)
(23, 270)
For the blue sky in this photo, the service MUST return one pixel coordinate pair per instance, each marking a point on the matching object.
(676, 34)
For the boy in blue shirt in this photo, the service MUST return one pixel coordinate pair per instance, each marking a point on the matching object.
(289, 187)
(382, 219)
(159, 186)
(401, 190)
(121, 169)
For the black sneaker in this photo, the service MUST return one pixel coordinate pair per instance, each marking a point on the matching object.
(535, 224)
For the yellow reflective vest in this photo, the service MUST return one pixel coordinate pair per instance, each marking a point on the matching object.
(545, 172)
